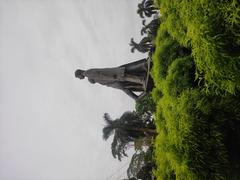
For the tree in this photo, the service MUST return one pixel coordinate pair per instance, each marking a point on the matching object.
(145, 105)
(126, 129)
(145, 45)
(147, 8)
(137, 162)
(141, 165)
(151, 28)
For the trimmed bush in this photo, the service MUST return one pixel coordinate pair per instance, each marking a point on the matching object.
(197, 78)
(198, 137)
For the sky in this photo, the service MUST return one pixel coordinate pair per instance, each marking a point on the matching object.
(50, 122)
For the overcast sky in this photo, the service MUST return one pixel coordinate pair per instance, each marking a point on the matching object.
(50, 122)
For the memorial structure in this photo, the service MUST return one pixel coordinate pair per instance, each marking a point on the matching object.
(132, 78)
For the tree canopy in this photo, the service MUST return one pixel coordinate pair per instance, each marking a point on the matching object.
(126, 129)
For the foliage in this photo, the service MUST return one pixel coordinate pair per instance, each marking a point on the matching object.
(197, 82)
(126, 129)
(146, 8)
(140, 144)
(141, 165)
(211, 29)
(146, 104)
(136, 163)
(166, 52)
(198, 136)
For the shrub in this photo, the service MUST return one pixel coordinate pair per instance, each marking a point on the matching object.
(211, 30)
(196, 73)
(198, 137)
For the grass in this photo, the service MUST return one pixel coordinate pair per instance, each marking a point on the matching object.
(196, 73)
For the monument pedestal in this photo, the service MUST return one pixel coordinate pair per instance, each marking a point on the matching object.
(149, 81)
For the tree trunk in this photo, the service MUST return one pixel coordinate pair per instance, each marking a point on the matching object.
(152, 132)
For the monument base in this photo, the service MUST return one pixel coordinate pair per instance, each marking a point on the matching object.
(149, 84)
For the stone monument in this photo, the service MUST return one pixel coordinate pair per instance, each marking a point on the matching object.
(130, 78)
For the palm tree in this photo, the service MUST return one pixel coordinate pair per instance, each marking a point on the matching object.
(145, 45)
(151, 28)
(147, 8)
(126, 129)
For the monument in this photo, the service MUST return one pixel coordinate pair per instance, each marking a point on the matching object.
(131, 78)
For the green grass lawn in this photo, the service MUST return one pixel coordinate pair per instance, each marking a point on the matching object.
(196, 71)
